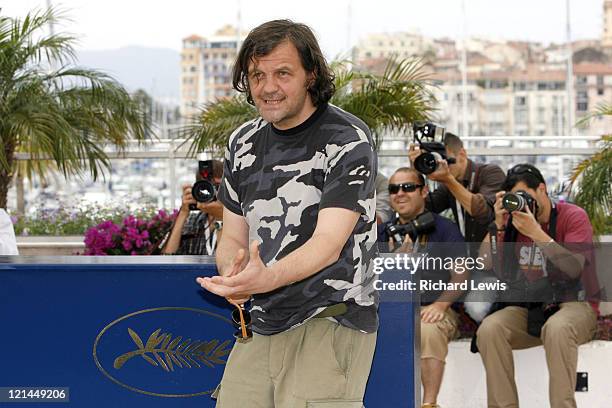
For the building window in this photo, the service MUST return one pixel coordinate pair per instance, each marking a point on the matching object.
(558, 85)
(581, 80)
(582, 101)
(600, 80)
(520, 101)
(600, 91)
(520, 86)
(520, 117)
(582, 96)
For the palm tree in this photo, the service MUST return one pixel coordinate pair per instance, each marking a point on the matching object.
(389, 102)
(592, 180)
(61, 115)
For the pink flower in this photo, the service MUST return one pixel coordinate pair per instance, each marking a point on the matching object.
(132, 236)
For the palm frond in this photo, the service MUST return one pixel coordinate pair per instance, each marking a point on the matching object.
(66, 115)
(603, 109)
(392, 101)
(211, 129)
(592, 187)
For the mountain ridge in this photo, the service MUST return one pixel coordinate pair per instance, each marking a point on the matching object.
(155, 70)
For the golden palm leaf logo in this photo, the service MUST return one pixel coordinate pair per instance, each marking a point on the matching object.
(161, 350)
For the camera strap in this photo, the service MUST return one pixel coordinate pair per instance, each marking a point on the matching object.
(210, 238)
(473, 177)
(552, 230)
(552, 224)
(459, 208)
(460, 217)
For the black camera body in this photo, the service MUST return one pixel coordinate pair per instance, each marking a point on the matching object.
(519, 201)
(422, 224)
(204, 190)
(430, 138)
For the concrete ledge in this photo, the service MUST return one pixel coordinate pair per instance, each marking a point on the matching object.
(50, 245)
(464, 384)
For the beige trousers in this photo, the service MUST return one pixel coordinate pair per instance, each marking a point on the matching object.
(319, 364)
(506, 330)
(435, 336)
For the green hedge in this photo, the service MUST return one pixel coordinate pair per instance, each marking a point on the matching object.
(73, 221)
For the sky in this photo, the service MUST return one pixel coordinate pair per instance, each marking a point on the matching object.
(111, 24)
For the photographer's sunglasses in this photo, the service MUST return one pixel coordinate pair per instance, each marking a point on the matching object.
(526, 168)
(406, 187)
(242, 320)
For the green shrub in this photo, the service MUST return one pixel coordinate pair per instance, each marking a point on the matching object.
(74, 221)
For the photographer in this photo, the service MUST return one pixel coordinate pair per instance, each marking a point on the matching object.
(535, 225)
(467, 188)
(196, 232)
(439, 322)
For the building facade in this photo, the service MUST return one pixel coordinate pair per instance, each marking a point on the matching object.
(607, 25)
(513, 88)
(206, 68)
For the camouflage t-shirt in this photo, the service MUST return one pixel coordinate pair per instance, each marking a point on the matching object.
(279, 181)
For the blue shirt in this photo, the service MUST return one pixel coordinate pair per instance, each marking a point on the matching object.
(450, 244)
(445, 231)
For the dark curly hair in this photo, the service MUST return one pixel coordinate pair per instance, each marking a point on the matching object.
(263, 39)
(525, 172)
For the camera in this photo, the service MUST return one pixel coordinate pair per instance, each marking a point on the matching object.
(430, 138)
(519, 201)
(422, 224)
(204, 190)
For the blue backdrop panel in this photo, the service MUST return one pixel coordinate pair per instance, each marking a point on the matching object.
(138, 331)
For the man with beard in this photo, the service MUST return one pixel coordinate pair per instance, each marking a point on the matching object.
(299, 231)
(439, 322)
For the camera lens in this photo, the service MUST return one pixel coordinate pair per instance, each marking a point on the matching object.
(513, 202)
(203, 191)
(426, 163)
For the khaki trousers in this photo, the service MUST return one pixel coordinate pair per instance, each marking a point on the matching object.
(506, 330)
(319, 364)
(435, 336)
